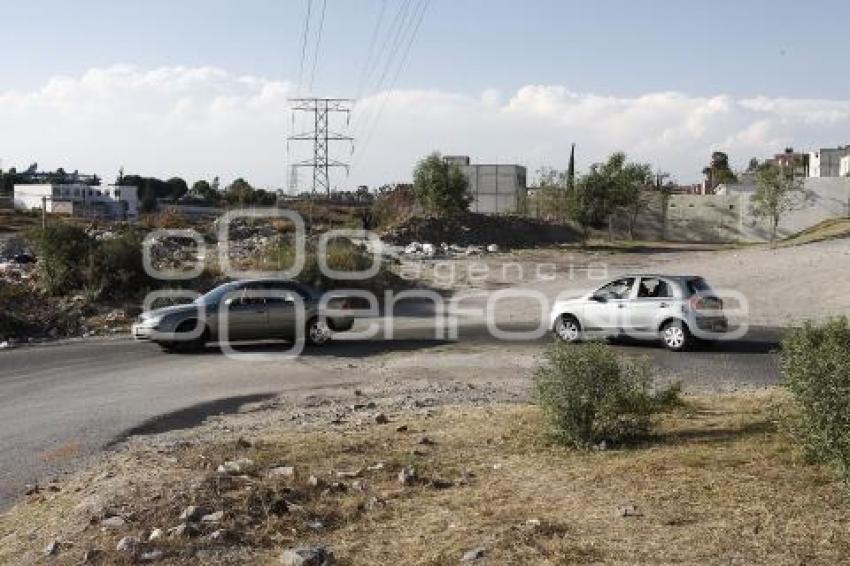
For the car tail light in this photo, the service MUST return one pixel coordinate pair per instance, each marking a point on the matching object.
(704, 303)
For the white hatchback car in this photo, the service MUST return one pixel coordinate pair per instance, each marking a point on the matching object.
(677, 309)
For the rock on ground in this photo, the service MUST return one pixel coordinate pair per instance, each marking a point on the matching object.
(307, 556)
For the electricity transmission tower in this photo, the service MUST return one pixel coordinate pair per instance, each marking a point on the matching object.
(321, 136)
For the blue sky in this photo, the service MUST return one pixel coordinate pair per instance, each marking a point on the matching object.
(619, 47)
(616, 74)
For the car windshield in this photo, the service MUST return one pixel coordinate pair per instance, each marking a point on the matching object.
(214, 297)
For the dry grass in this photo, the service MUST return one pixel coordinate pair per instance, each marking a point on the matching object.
(718, 485)
(826, 230)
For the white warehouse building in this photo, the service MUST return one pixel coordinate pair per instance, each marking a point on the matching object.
(117, 202)
(495, 189)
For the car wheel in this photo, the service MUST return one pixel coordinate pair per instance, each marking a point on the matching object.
(318, 332)
(675, 336)
(195, 344)
(568, 329)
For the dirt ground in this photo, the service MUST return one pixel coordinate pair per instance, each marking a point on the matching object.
(718, 484)
(782, 287)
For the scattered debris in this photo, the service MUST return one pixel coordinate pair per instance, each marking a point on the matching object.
(216, 517)
(474, 554)
(152, 555)
(347, 474)
(235, 467)
(628, 510)
(381, 418)
(184, 530)
(471, 229)
(128, 545)
(52, 549)
(114, 522)
(307, 556)
(281, 472)
(407, 476)
(193, 514)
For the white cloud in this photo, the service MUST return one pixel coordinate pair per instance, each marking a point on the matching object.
(201, 122)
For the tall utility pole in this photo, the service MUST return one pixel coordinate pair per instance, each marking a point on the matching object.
(321, 136)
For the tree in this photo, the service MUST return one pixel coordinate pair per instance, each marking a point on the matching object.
(203, 190)
(609, 188)
(440, 186)
(177, 187)
(551, 199)
(778, 192)
(719, 172)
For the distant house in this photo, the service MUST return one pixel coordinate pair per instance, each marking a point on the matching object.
(75, 199)
(793, 160)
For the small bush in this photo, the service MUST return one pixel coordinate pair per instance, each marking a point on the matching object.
(116, 269)
(816, 365)
(589, 395)
(62, 249)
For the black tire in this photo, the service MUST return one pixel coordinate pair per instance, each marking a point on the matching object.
(675, 336)
(567, 329)
(318, 332)
(194, 345)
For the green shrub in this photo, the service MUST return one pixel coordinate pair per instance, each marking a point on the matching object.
(816, 365)
(589, 394)
(69, 260)
(116, 268)
(62, 250)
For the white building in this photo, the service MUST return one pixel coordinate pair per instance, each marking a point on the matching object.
(844, 166)
(113, 201)
(826, 162)
(495, 189)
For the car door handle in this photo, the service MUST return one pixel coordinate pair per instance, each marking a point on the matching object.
(621, 306)
(663, 305)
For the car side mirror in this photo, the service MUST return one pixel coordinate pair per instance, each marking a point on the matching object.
(600, 298)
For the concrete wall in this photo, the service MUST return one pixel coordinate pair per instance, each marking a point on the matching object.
(728, 217)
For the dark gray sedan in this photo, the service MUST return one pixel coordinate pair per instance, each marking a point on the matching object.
(241, 311)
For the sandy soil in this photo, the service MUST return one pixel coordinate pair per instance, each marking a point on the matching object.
(782, 287)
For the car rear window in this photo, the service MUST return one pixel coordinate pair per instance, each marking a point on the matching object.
(698, 285)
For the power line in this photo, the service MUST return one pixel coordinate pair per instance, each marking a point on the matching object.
(304, 44)
(394, 32)
(318, 42)
(371, 51)
(422, 7)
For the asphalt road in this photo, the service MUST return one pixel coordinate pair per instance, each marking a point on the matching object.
(59, 404)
